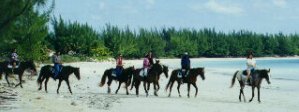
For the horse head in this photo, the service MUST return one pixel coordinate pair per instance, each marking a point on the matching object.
(268, 76)
(264, 73)
(201, 72)
(165, 70)
(77, 72)
(29, 64)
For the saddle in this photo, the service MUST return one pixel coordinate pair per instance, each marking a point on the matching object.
(182, 73)
(251, 77)
(143, 73)
(116, 72)
(11, 66)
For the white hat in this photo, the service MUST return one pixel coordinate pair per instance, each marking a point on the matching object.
(186, 53)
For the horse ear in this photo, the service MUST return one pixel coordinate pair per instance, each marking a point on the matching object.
(269, 70)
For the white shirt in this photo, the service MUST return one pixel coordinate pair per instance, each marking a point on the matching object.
(251, 63)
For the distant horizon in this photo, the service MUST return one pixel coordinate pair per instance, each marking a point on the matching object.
(258, 16)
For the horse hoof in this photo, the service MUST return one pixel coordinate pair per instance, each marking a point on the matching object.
(180, 96)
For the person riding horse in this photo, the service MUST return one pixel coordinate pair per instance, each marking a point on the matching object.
(151, 58)
(251, 65)
(146, 65)
(185, 63)
(119, 65)
(56, 59)
(14, 58)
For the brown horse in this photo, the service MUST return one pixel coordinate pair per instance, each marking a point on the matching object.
(19, 71)
(256, 79)
(46, 73)
(191, 78)
(125, 77)
(153, 77)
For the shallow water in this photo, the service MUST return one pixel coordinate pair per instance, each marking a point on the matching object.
(281, 69)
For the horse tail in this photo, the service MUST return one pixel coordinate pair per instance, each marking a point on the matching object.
(234, 78)
(39, 79)
(103, 80)
(170, 80)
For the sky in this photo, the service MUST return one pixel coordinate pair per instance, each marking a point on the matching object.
(261, 16)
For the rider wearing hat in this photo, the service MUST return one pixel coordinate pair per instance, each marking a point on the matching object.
(185, 63)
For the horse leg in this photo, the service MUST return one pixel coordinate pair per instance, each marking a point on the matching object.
(137, 87)
(170, 88)
(179, 84)
(46, 82)
(6, 77)
(144, 86)
(242, 86)
(148, 86)
(196, 89)
(155, 89)
(188, 90)
(119, 84)
(243, 93)
(158, 86)
(68, 85)
(59, 86)
(258, 92)
(252, 93)
(20, 83)
(40, 86)
(127, 92)
(109, 83)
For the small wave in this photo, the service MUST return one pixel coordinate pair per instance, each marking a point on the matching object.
(286, 79)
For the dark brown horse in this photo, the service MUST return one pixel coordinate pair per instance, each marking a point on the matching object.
(256, 80)
(152, 77)
(125, 77)
(47, 71)
(19, 71)
(191, 78)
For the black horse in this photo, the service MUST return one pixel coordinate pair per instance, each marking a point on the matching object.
(47, 71)
(19, 70)
(256, 80)
(189, 79)
(125, 77)
(152, 77)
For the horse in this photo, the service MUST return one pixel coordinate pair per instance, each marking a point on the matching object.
(189, 79)
(153, 77)
(47, 71)
(23, 65)
(256, 80)
(125, 77)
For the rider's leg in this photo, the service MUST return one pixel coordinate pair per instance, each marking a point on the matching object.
(56, 70)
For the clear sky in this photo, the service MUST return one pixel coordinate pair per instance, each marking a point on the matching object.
(262, 16)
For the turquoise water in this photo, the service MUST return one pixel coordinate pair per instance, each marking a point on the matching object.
(281, 69)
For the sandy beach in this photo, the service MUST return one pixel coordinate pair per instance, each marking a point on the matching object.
(214, 94)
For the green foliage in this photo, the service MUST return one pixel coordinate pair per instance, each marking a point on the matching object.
(24, 28)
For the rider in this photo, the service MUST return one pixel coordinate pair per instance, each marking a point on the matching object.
(151, 58)
(251, 64)
(119, 65)
(146, 65)
(14, 58)
(56, 59)
(185, 63)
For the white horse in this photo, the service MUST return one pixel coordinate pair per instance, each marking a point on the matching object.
(256, 80)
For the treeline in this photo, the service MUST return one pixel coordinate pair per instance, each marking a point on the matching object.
(29, 33)
(167, 42)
